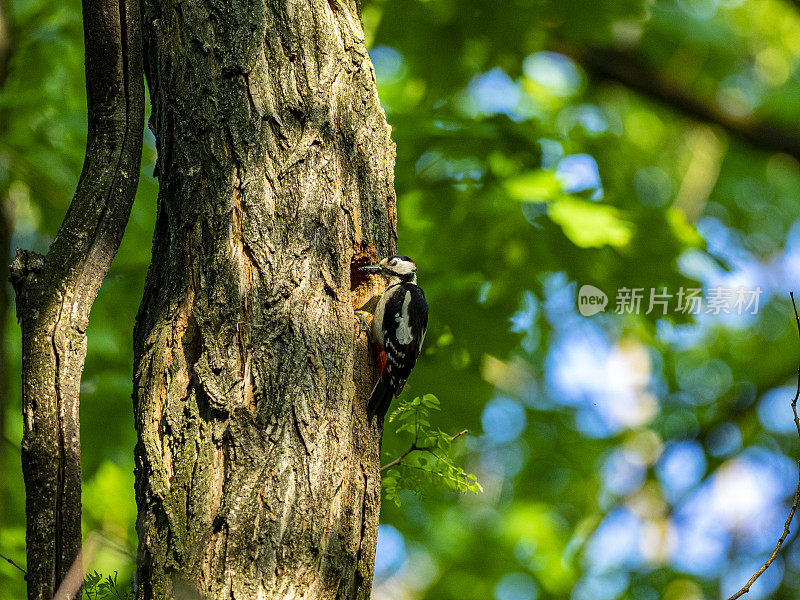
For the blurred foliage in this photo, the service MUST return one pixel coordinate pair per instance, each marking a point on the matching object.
(640, 455)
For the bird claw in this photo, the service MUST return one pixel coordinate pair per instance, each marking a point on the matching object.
(363, 326)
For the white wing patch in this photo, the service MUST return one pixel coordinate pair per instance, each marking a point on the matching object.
(403, 327)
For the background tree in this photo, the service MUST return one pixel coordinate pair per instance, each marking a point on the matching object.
(526, 167)
(55, 292)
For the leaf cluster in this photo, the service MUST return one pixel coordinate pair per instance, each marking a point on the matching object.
(429, 459)
(97, 587)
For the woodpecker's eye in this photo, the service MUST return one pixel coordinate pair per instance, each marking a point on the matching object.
(393, 262)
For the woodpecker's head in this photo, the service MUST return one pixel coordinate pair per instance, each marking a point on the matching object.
(395, 268)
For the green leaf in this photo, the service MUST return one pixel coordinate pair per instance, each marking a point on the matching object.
(590, 225)
(534, 186)
(406, 415)
(409, 427)
(431, 401)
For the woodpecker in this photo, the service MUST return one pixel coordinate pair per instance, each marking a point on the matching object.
(398, 329)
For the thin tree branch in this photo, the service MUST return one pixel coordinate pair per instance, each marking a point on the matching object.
(629, 70)
(6, 41)
(746, 588)
(55, 292)
(8, 560)
(414, 448)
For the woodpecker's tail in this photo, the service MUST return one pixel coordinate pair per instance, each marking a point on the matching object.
(379, 401)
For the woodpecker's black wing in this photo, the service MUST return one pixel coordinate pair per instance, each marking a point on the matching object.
(405, 320)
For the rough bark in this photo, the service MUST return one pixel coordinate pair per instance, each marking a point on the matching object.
(55, 292)
(257, 472)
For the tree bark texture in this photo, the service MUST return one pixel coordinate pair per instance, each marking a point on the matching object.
(256, 470)
(55, 293)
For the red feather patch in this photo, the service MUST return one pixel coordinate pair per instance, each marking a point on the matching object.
(382, 360)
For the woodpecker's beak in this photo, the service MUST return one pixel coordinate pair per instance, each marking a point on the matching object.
(371, 268)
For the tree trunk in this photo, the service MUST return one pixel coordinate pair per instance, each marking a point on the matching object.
(256, 469)
(55, 292)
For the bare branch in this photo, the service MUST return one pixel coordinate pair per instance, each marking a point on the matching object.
(8, 560)
(769, 561)
(399, 459)
(459, 434)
